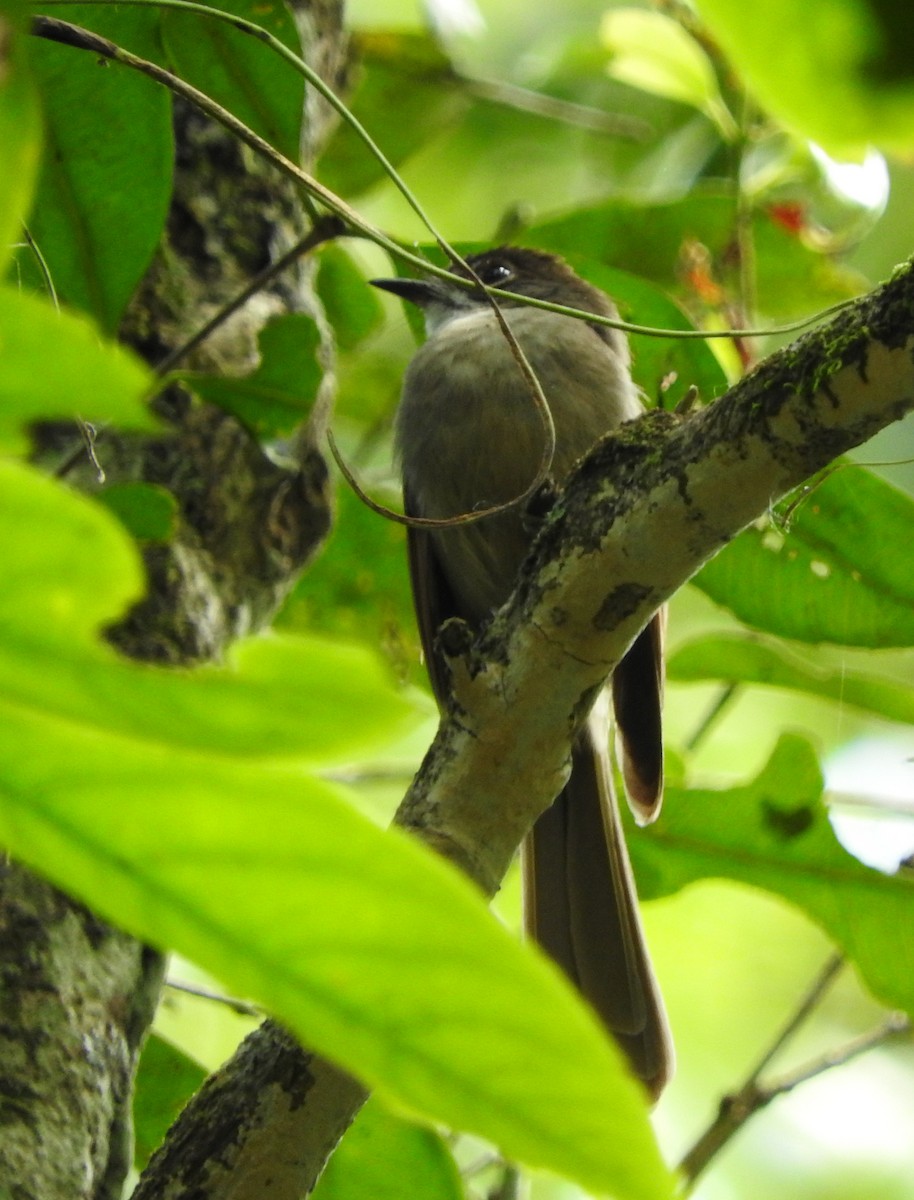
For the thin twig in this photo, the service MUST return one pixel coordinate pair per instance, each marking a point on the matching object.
(810, 1001)
(42, 266)
(894, 1025)
(242, 1007)
(581, 116)
(736, 1109)
(725, 697)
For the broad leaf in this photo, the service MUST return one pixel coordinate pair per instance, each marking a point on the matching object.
(842, 77)
(279, 393)
(353, 309)
(166, 1079)
(173, 820)
(774, 833)
(792, 280)
(84, 377)
(406, 95)
(824, 574)
(263, 706)
(651, 51)
(148, 511)
(106, 179)
(734, 659)
(241, 73)
(387, 1157)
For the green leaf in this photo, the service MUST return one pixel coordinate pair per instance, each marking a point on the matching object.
(278, 395)
(20, 132)
(173, 825)
(240, 72)
(774, 833)
(352, 308)
(843, 77)
(106, 178)
(734, 659)
(147, 511)
(166, 1079)
(84, 376)
(651, 51)
(386, 1157)
(826, 576)
(82, 571)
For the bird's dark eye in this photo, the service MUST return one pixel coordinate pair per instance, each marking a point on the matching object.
(495, 273)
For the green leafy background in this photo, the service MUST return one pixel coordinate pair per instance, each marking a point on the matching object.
(205, 810)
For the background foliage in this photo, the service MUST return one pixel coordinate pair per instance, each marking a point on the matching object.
(685, 167)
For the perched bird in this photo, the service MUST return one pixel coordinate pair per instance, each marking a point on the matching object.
(468, 436)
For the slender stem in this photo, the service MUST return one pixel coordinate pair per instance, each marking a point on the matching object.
(736, 1109)
(582, 116)
(894, 1025)
(310, 75)
(242, 1007)
(723, 700)
(745, 244)
(810, 1001)
(42, 266)
(84, 39)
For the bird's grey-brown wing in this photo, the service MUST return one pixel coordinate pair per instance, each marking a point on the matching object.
(432, 597)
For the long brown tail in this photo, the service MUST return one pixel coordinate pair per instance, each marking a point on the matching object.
(581, 906)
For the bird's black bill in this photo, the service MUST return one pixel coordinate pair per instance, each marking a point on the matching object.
(416, 291)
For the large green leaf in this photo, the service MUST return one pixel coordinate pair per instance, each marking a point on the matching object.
(240, 72)
(735, 659)
(84, 376)
(387, 1157)
(842, 75)
(263, 706)
(190, 832)
(774, 833)
(838, 569)
(350, 593)
(106, 179)
(20, 129)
